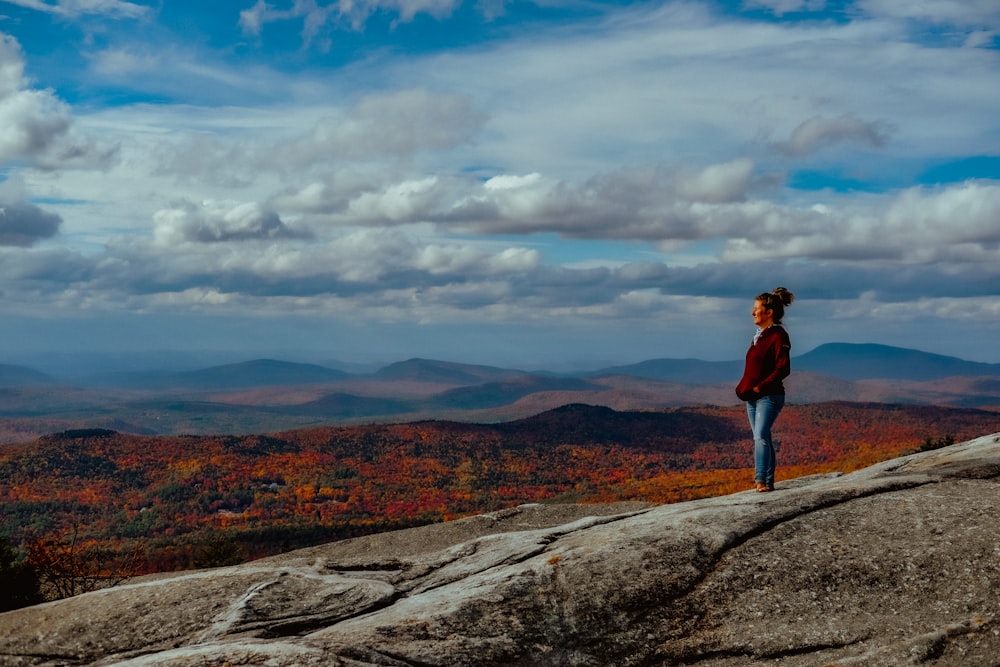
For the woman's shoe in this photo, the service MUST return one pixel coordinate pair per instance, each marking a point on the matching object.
(762, 487)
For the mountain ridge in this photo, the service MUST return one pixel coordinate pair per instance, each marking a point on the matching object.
(869, 361)
(251, 373)
(435, 370)
(270, 394)
(849, 361)
(12, 375)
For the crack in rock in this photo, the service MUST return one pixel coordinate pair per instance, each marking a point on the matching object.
(297, 602)
(920, 648)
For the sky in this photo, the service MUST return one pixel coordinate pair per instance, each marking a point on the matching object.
(505, 182)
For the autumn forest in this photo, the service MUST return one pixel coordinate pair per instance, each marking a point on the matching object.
(89, 507)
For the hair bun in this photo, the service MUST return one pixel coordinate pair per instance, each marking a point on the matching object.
(784, 295)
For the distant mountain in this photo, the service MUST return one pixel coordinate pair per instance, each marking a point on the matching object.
(15, 376)
(686, 371)
(267, 395)
(845, 361)
(444, 372)
(341, 405)
(496, 394)
(247, 374)
(262, 372)
(869, 361)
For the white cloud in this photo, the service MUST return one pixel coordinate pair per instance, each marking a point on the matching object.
(35, 126)
(955, 224)
(31, 121)
(782, 7)
(513, 260)
(818, 132)
(218, 221)
(408, 201)
(121, 62)
(686, 206)
(316, 16)
(186, 72)
(512, 181)
(959, 220)
(718, 183)
(75, 8)
(959, 12)
(398, 123)
(649, 204)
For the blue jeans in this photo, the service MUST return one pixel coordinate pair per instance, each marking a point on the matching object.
(762, 412)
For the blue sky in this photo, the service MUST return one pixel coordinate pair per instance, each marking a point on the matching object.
(519, 183)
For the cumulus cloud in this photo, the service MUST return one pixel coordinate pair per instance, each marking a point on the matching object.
(405, 202)
(955, 224)
(366, 267)
(717, 183)
(671, 207)
(35, 126)
(459, 258)
(23, 224)
(640, 203)
(215, 221)
(819, 132)
(380, 274)
(394, 259)
(31, 120)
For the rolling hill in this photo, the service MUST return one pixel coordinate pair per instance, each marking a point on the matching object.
(687, 371)
(269, 394)
(17, 376)
(846, 361)
(255, 373)
(444, 372)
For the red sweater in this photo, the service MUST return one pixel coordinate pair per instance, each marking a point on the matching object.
(767, 365)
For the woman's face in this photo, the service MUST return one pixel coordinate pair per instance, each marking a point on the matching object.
(762, 317)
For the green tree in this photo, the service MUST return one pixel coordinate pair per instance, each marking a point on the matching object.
(18, 580)
(219, 551)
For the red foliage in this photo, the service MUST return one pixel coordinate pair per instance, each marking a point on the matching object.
(175, 495)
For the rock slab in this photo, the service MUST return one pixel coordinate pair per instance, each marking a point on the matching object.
(897, 564)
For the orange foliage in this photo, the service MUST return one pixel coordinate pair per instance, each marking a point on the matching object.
(283, 490)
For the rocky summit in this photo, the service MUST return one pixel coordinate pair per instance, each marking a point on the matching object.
(897, 564)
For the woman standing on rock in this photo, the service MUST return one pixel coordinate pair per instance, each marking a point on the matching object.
(767, 364)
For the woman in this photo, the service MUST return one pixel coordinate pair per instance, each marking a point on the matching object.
(767, 364)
